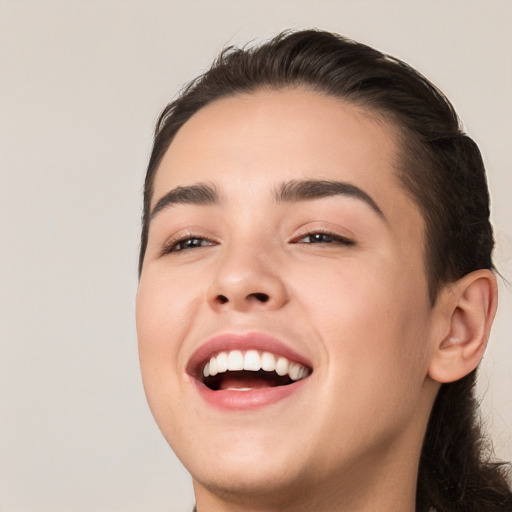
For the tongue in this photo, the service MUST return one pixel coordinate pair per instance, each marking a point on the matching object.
(231, 382)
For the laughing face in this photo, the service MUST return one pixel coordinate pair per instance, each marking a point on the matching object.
(283, 312)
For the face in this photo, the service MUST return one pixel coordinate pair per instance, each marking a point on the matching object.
(285, 258)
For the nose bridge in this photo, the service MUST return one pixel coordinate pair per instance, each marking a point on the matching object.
(247, 276)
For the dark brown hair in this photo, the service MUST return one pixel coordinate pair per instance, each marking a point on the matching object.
(439, 166)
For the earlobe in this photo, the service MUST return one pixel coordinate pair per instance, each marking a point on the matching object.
(468, 309)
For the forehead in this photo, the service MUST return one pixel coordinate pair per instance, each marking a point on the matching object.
(246, 144)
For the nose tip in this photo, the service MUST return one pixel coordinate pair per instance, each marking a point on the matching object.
(245, 282)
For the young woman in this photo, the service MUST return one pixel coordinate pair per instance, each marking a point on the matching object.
(316, 285)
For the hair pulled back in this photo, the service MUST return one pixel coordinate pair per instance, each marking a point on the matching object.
(439, 166)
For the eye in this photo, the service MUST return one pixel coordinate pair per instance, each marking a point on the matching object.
(186, 243)
(324, 238)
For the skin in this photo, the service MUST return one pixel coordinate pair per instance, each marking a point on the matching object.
(350, 437)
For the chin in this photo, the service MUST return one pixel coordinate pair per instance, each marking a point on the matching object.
(257, 481)
(253, 463)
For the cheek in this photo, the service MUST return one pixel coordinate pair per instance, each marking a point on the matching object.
(373, 321)
(164, 302)
(165, 310)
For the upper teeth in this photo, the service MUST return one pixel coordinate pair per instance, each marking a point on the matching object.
(253, 361)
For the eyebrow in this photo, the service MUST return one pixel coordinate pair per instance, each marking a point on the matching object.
(198, 194)
(205, 194)
(304, 190)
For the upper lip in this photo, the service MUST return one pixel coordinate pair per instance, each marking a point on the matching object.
(243, 342)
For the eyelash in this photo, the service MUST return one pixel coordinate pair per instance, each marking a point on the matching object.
(334, 238)
(173, 245)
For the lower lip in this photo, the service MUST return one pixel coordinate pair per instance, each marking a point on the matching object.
(233, 400)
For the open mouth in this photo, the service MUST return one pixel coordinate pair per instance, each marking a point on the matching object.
(248, 370)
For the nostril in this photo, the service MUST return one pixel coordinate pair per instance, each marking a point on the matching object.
(262, 297)
(259, 297)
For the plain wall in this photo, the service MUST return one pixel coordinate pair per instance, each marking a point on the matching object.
(81, 85)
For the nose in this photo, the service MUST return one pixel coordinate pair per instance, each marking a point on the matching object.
(246, 279)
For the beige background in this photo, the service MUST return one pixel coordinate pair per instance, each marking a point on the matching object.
(81, 84)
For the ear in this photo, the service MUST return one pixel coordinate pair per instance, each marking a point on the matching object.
(467, 310)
